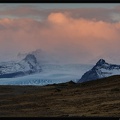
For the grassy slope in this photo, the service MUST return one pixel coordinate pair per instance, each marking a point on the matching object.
(93, 98)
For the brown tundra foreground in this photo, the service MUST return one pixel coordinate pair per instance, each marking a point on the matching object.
(100, 98)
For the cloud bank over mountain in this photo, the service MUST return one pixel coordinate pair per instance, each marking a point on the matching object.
(77, 35)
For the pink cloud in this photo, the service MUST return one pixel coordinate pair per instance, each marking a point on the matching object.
(75, 39)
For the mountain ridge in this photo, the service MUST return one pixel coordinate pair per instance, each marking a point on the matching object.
(100, 70)
(28, 65)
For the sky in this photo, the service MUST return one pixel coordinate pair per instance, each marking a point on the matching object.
(72, 32)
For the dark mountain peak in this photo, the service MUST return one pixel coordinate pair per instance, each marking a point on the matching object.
(101, 70)
(100, 62)
(30, 58)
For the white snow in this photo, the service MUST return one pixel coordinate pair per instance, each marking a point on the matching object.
(107, 72)
(14, 66)
(51, 73)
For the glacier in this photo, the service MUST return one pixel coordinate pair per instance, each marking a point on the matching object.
(50, 74)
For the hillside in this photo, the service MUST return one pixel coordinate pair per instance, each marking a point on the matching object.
(102, 69)
(93, 98)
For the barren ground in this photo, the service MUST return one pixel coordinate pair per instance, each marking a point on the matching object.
(99, 98)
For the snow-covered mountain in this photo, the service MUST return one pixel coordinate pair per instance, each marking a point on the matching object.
(50, 74)
(39, 68)
(102, 69)
(26, 66)
(42, 56)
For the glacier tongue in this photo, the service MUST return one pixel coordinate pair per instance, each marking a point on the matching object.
(39, 68)
(50, 74)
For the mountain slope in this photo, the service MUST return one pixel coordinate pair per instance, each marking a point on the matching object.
(98, 98)
(28, 65)
(51, 71)
(101, 70)
(50, 74)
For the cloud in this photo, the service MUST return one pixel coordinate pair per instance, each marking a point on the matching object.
(29, 11)
(96, 37)
(68, 38)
